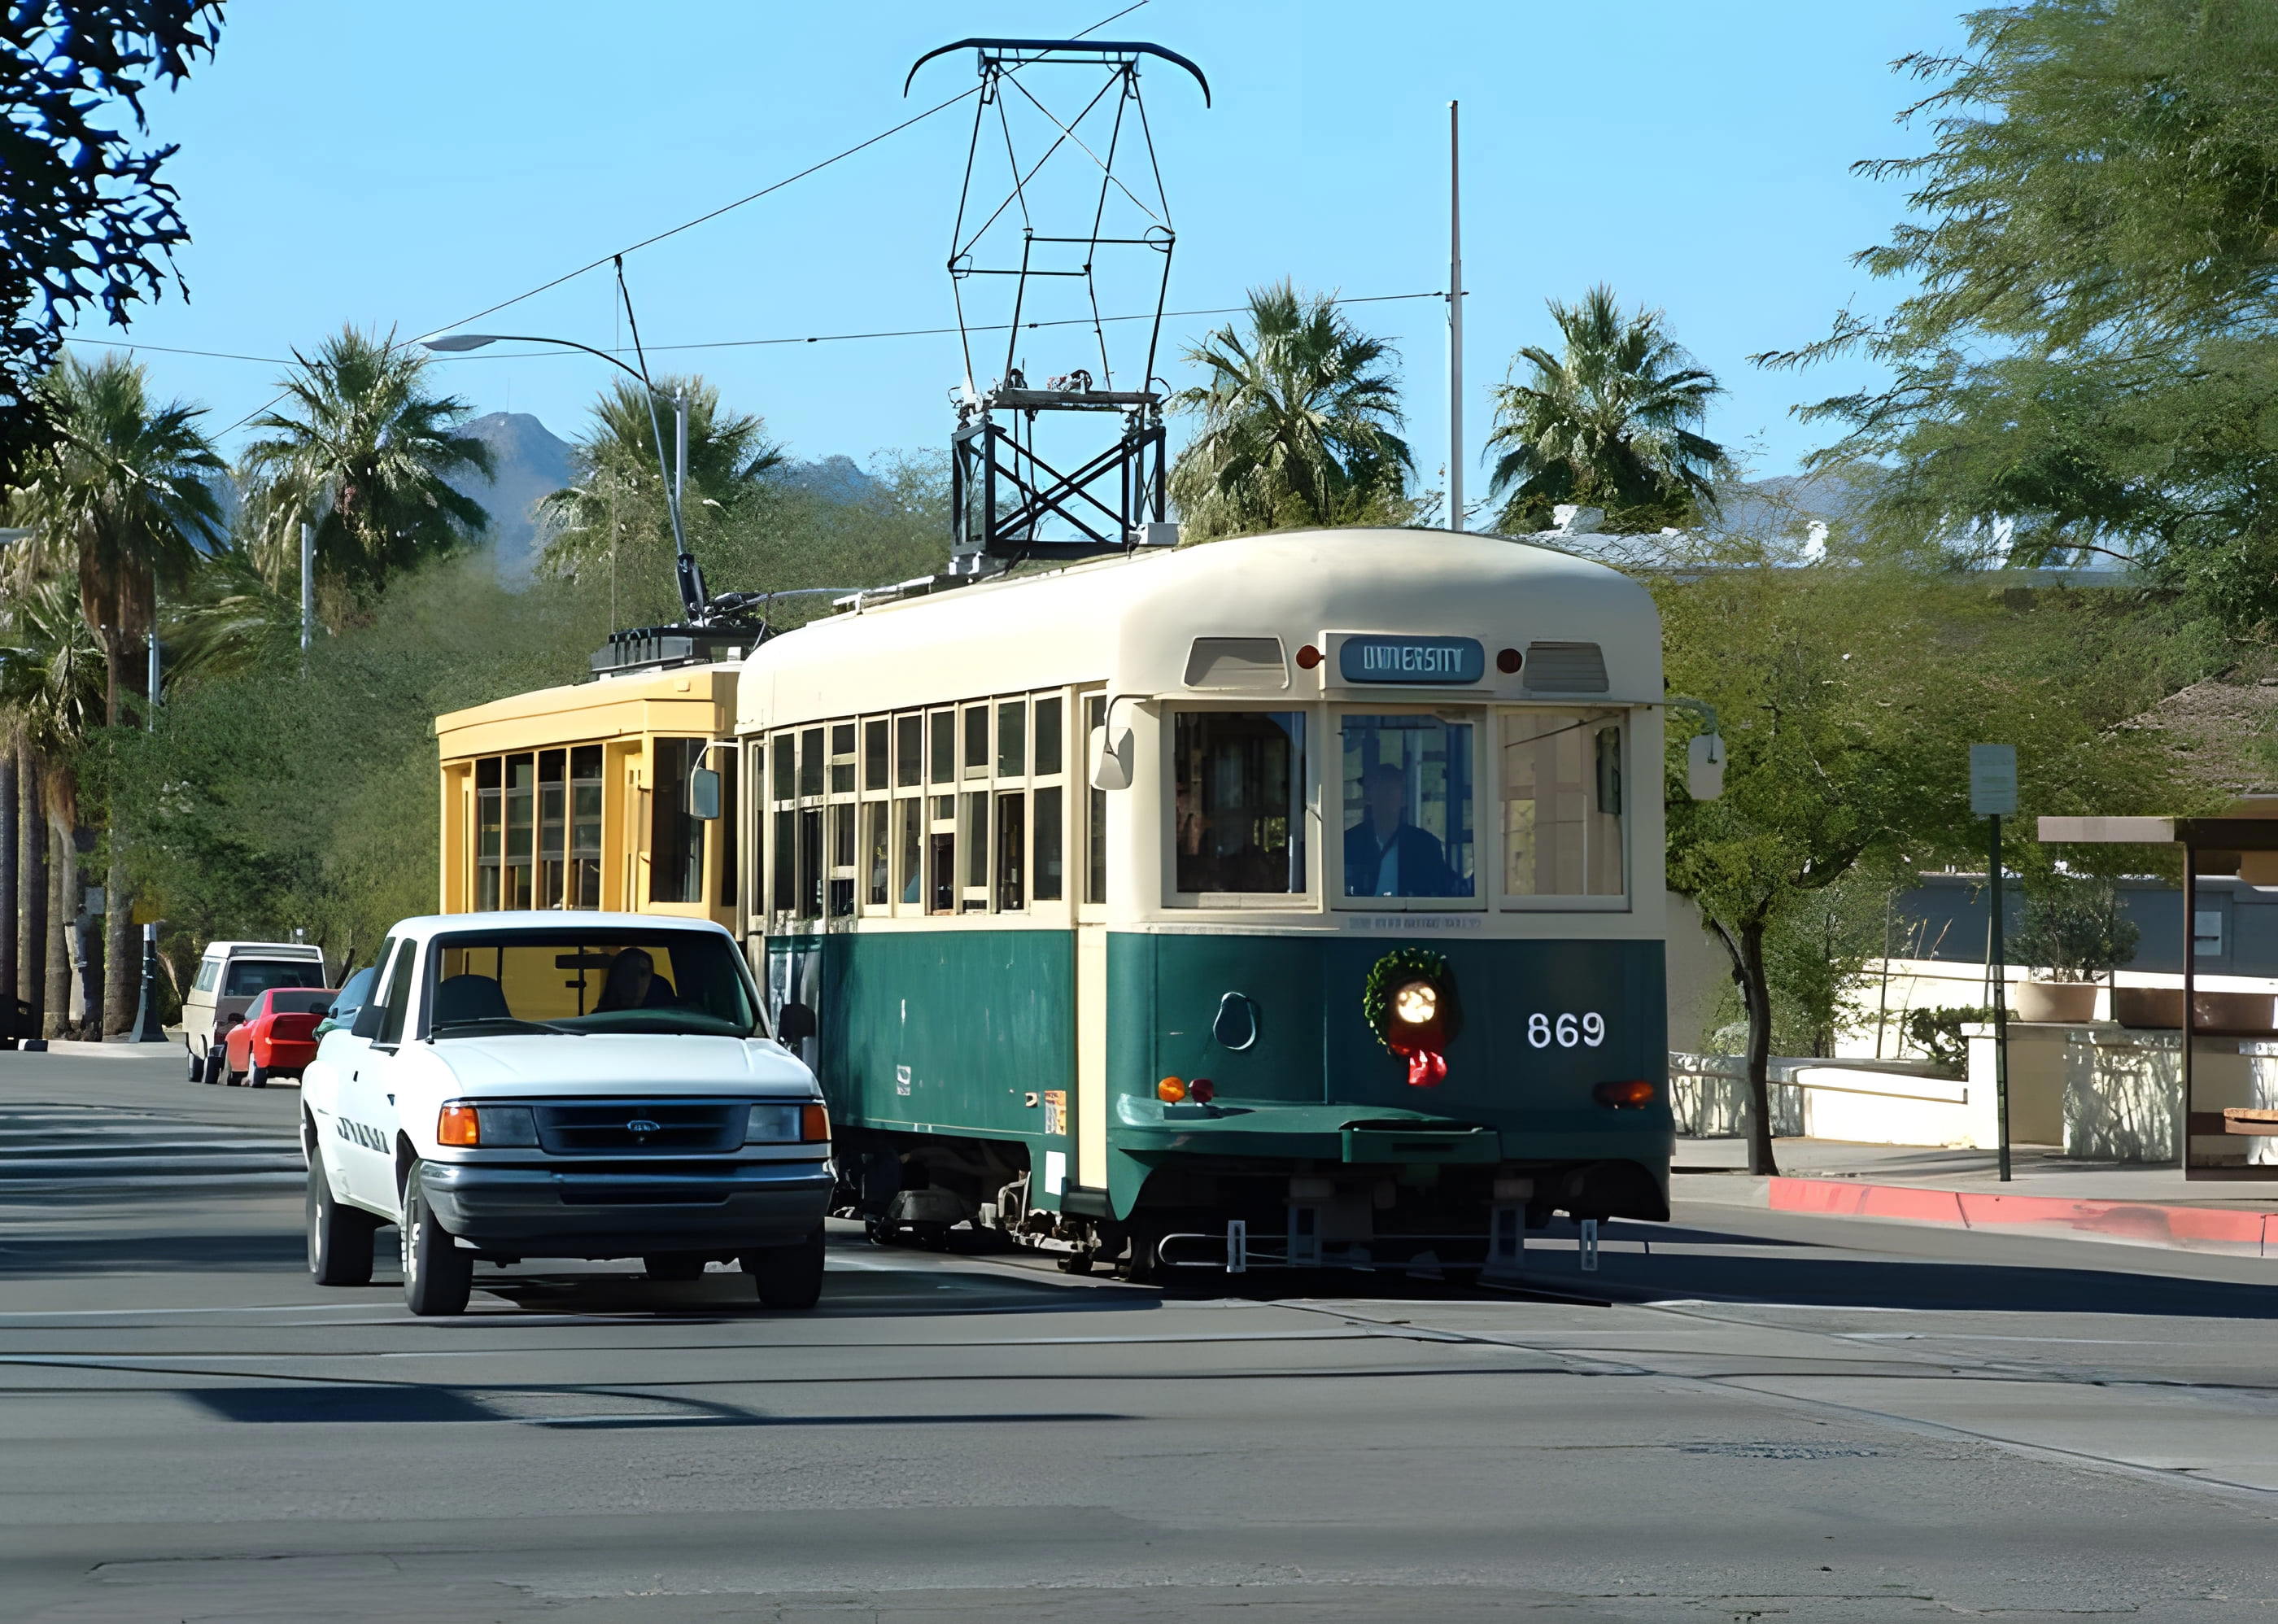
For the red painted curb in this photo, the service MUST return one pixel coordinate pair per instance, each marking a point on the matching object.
(2140, 1223)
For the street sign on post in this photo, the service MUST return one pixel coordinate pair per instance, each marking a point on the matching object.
(1993, 792)
(1993, 780)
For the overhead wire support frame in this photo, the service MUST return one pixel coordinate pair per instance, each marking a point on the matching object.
(1008, 500)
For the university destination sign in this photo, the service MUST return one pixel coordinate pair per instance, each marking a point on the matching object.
(1448, 662)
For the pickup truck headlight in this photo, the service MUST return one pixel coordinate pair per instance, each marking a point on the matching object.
(787, 1124)
(485, 1127)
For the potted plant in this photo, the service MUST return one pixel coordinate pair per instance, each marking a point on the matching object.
(2075, 930)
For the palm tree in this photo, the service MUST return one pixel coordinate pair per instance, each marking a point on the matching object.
(1607, 423)
(119, 503)
(617, 503)
(365, 451)
(53, 682)
(1299, 423)
(122, 501)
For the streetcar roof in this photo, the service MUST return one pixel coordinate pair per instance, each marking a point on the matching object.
(1132, 620)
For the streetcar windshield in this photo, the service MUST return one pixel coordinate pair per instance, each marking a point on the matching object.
(1239, 784)
(666, 981)
(1407, 800)
(1562, 803)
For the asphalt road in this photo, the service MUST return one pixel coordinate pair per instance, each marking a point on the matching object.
(1779, 1418)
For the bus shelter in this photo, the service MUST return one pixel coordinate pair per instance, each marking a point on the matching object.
(2234, 844)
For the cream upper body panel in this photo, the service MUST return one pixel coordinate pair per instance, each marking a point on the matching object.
(1131, 623)
(1131, 627)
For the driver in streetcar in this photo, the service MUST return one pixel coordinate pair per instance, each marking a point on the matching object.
(1386, 855)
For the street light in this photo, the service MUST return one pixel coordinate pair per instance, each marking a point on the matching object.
(693, 597)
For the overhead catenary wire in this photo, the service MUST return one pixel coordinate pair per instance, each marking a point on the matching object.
(710, 215)
(618, 348)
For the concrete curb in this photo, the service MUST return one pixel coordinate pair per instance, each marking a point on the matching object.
(2225, 1231)
(108, 1050)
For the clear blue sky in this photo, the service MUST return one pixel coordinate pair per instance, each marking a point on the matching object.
(407, 164)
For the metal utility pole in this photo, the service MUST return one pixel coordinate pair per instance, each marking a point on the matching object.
(150, 711)
(1455, 323)
(1993, 791)
(147, 1029)
(308, 582)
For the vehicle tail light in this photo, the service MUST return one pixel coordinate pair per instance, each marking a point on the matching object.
(1625, 1096)
(815, 1124)
(458, 1125)
(1170, 1090)
(1202, 1090)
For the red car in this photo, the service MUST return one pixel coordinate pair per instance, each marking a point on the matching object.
(277, 1036)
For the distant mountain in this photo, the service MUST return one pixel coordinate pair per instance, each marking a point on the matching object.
(529, 461)
(834, 479)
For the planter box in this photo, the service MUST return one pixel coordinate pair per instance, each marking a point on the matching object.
(2220, 1014)
(2069, 1003)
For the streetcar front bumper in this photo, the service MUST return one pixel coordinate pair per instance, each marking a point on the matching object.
(1360, 1134)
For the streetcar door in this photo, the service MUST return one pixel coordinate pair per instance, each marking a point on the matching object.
(1091, 1055)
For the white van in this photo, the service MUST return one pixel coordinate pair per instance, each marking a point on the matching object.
(230, 976)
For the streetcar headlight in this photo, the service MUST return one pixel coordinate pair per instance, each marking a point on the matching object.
(1171, 1090)
(1416, 1002)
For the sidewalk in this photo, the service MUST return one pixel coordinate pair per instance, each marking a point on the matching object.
(2047, 1194)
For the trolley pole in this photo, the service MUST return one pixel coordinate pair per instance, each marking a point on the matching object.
(1455, 323)
(1993, 791)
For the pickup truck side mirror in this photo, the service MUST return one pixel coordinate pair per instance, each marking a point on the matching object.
(794, 1023)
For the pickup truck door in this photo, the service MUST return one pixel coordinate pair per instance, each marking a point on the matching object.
(338, 1055)
(367, 1103)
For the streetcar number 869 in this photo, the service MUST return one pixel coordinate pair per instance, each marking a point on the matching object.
(1587, 1028)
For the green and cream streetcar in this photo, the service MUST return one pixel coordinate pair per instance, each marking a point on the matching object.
(1309, 883)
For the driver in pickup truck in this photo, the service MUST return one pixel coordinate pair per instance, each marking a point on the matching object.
(633, 984)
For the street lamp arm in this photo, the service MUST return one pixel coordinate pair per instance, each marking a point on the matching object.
(693, 597)
(527, 338)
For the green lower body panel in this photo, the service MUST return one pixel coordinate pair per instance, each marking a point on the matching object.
(971, 1033)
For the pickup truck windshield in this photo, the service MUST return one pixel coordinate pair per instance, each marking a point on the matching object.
(484, 983)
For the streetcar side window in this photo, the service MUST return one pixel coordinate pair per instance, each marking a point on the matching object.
(1562, 803)
(961, 810)
(943, 763)
(1239, 800)
(909, 751)
(874, 754)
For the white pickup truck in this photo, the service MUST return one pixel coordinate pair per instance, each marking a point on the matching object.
(553, 1085)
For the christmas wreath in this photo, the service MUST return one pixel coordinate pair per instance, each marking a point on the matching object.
(1410, 1001)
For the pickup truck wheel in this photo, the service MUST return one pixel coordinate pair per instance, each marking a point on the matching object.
(340, 1238)
(212, 1069)
(674, 1265)
(258, 1077)
(788, 1277)
(438, 1277)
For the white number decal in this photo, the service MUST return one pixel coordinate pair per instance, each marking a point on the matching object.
(1588, 1030)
